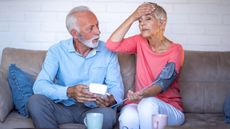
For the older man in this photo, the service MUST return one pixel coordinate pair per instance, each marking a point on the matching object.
(61, 89)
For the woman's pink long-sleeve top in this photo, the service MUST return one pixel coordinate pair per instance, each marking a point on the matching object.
(150, 64)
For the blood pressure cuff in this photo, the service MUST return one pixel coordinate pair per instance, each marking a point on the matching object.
(166, 76)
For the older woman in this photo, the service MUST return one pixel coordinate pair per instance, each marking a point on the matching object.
(157, 68)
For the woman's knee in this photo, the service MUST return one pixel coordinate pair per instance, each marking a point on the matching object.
(177, 119)
(148, 105)
(129, 114)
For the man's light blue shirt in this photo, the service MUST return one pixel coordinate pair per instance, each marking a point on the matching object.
(64, 67)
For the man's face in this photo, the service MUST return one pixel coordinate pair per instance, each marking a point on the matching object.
(89, 29)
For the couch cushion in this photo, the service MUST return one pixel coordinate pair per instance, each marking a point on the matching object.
(205, 81)
(127, 65)
(21, 86)
(72, 126)
(14, 120)
(202, 121)
(5, 98)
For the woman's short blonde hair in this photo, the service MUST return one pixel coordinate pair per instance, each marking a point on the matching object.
(159, 12)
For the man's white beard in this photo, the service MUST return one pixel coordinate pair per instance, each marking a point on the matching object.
(89, 43)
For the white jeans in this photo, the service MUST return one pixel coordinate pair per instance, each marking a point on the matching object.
(139, 116)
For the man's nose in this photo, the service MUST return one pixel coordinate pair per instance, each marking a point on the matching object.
(96, 30)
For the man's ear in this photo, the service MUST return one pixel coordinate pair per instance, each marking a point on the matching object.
(74, 34)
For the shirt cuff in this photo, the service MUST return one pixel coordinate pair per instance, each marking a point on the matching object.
(117, 97)
(62, 93)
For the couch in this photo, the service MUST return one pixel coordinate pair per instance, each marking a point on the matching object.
(204, 83)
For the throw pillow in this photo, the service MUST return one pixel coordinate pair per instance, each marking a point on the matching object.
(227, 109)
(21, 86)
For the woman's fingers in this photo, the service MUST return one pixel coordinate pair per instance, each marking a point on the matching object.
(145, 9)
(133, 96)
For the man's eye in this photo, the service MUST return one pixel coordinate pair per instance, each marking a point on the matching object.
(91, 28)
(148, 18)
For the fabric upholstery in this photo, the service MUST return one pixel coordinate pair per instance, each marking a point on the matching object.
(127, 66)
(14, 120)
(204, 83)
(21, 84)
(6, 104)
(227, 108)
(202, 121)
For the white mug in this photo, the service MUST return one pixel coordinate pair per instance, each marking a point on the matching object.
(93, 120)
(159, 121)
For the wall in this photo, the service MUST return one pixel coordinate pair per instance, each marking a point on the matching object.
(37, 24)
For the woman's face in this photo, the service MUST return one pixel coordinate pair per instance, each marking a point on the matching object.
(149, 26)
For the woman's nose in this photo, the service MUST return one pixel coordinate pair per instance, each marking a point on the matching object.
(142, 23)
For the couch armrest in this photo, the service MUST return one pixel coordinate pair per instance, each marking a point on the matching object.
(6, 102)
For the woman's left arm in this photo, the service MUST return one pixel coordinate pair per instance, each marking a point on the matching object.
(162, 82)
(167, 75)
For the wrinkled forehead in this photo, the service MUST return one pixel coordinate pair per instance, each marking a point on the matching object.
(147, 16)
(86, 19)
(86, 16)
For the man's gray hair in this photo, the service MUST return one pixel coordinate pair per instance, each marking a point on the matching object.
(71, 20)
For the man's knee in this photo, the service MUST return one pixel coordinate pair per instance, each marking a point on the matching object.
(36, 103)
(109, 117)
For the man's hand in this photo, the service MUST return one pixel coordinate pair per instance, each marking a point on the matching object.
(81, 93)
(105, 100)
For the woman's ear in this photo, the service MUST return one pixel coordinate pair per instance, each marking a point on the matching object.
(163, 24)
(163, 21)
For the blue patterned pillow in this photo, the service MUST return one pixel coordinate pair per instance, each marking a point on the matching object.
(21, 86)
(227, 109)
